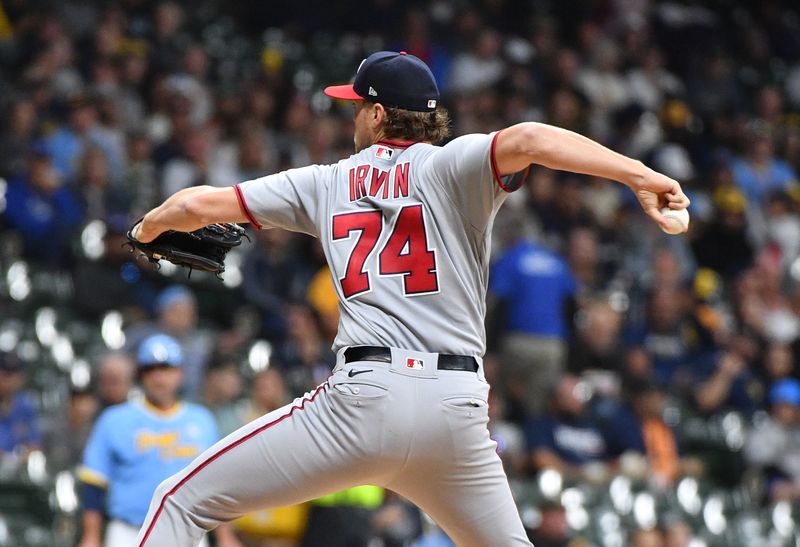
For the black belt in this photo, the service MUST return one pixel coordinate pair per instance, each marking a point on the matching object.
(380, 354)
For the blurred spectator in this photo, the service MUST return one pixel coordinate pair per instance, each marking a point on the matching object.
(16, 137)
(761, 303)
(115, 375)
(274, 275)
(68, 144)
(530, 276)
(65, 435)
(167, 41)
(222, 388)
(713, 87)
(189, 166)
(397, 522)
(668, 337)
(139, 180)
(725, 381)
(597, 345)
(604, 86)
(759, 172)
(778, 363)
(783, 226)
(343, 519)
(566, 438)
(774, 443)
(176, 315)
(42, 209)
(583, 256)
(19, 417)
(651, 83)
(95, 189)
(723, 244)
(639, 428)
(322, 297)
(304, 357)
(136, 445)
(555, 199)
(479, 68)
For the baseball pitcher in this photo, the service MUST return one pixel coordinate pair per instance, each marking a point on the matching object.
(405, 225)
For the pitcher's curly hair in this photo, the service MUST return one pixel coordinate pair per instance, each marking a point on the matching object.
(433, 127)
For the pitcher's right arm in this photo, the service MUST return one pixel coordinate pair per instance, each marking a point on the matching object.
(526, 143)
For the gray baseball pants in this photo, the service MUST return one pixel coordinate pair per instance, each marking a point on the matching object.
(419, 432)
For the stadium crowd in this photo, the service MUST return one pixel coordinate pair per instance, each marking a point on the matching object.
(659, 365)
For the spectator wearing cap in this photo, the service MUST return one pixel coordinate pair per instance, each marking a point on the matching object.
(176, 315)
(773, 445)
(723, 244)
(19, 417)
(42, 209)
(136, 445)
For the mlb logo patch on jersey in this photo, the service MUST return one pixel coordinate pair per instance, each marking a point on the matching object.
(416, 364)
(383, 153)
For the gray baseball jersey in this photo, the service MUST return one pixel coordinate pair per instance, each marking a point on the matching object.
(405, 228)
(406, 232)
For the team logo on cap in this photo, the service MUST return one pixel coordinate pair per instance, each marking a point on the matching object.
(416, 364)
(432, 103)
(383, 153)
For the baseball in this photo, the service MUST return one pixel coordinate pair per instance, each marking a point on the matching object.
(678, 220)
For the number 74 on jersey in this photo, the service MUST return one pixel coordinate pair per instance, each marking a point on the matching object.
(406, 251)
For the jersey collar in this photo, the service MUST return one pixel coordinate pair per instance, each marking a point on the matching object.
(164, 413)
(396, 144)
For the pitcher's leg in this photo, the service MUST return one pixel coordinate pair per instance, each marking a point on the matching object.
(461, 484)
(475, 508)
(293, 454)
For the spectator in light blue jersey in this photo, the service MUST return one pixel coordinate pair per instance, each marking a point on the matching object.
(136, 445)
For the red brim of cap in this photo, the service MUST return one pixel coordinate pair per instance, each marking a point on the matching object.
(344, 92)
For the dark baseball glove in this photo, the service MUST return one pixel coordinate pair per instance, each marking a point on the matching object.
(203, 249)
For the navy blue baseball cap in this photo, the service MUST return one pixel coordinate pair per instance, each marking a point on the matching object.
(396, 80)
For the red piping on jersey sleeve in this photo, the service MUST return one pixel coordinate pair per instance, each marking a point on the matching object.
(245, 209)
(495, 171)
(223, 451)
